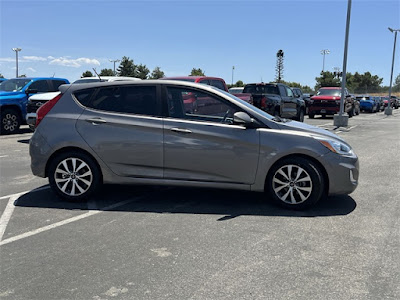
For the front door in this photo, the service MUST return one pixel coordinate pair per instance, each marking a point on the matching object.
(204, 145)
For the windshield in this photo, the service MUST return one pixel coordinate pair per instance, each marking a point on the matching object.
(14, 85)
(328, 92)
(252, 107)
(261, 89)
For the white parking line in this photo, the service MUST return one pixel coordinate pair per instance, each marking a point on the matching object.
(67, 221)
(6, 216)
(1, 156)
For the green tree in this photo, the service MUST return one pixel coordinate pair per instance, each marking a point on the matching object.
(106, 72)
(1, 75)
(197, 72)
(141, 71)
(327, 79)
(127, 67)
(396, 85)
(239, 83)
(87, 74)
(364, 83)
(157, 73)
(22, 76)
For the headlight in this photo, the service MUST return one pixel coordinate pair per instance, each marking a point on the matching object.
(337, 147)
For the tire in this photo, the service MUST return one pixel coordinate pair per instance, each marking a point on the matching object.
(352, 112)
(10, 121)
(74, 176)
(295, 183)
(300, 117)
(311, 115)
(357, 111)
(323, 116)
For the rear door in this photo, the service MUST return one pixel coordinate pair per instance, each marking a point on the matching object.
(288, 106)
(123, 125)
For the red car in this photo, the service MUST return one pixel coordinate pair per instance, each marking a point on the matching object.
(327, 102)
(213, 81)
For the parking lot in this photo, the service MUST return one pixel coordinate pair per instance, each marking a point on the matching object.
(150, 242)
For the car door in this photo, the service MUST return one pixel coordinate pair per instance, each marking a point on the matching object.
(288, 103)
(124, 127)
(205, 145)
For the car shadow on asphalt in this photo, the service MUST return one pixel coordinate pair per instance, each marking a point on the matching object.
(227, 204)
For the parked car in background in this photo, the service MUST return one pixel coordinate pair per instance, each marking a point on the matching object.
(277, 99)
(140, 133)
(236, 90)
(369, 103)
(395, 102)
(35, 101)
(2, 79)
(213, 81)
(14, 94)
(327, 102)
(105, 79)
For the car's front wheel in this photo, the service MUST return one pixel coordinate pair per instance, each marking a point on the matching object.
(10, 121)
(74, 176)
(295, 183)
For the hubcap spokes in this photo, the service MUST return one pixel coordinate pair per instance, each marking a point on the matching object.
(292, 184)
(73, 176)
(10, 122)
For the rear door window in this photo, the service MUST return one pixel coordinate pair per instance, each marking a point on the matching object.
(218, 84)
(41, 86)
(55, 84)
(140, 100)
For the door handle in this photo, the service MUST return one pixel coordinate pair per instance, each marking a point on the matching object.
(180, 130)
(96, 121)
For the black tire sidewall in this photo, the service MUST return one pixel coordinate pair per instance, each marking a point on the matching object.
(97, 179)
(316, 176)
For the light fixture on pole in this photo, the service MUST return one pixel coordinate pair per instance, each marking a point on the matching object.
(114, 61)
(16, 58)
(388, 110)
(324, 52)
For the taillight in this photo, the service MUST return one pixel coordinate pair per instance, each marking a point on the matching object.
(45, 108)
(263, 103)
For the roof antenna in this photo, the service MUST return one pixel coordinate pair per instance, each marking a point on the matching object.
(96, 73)
(54, 74)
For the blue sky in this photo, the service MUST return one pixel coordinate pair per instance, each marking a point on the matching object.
(66, 38)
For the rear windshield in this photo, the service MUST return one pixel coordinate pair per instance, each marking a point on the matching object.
(89, 80)
(328, 92)
(183, 79)
(261, 89)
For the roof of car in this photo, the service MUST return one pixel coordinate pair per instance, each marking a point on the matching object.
(40, 78)
(190, 77)
(331, 88)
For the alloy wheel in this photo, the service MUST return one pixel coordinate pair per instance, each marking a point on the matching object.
(73, 176)
(292, 184)
(10, 122)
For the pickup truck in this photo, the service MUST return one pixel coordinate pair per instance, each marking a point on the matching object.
(213, 81)
(327, 102)
(277, 99)
(14, 94)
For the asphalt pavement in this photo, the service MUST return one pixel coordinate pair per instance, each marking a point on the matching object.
(182, 243)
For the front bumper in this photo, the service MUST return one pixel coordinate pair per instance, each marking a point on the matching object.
(343, 173)
(31, 119)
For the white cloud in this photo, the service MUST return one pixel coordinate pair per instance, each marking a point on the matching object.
(7, 59)
(75, 63)
(51, 57)
(34, 58)
(32, 70)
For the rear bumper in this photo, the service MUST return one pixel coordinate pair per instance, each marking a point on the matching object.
(31, 119)
(326, 110)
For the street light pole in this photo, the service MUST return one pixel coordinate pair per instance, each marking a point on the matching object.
(16, 58)
(388, 110)
(114, 61)
(343, 119)
(233, 68)
(324, 52)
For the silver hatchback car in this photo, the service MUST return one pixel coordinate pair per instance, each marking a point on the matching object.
(184, 134)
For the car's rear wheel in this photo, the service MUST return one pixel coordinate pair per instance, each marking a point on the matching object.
(74, 176)
(10, 121)
(300, 117)
(311, 115)
(295, 183)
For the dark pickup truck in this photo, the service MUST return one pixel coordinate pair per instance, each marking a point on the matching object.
(276, 99)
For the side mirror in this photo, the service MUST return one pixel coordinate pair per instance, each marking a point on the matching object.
(241, 118)
(31, 91)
